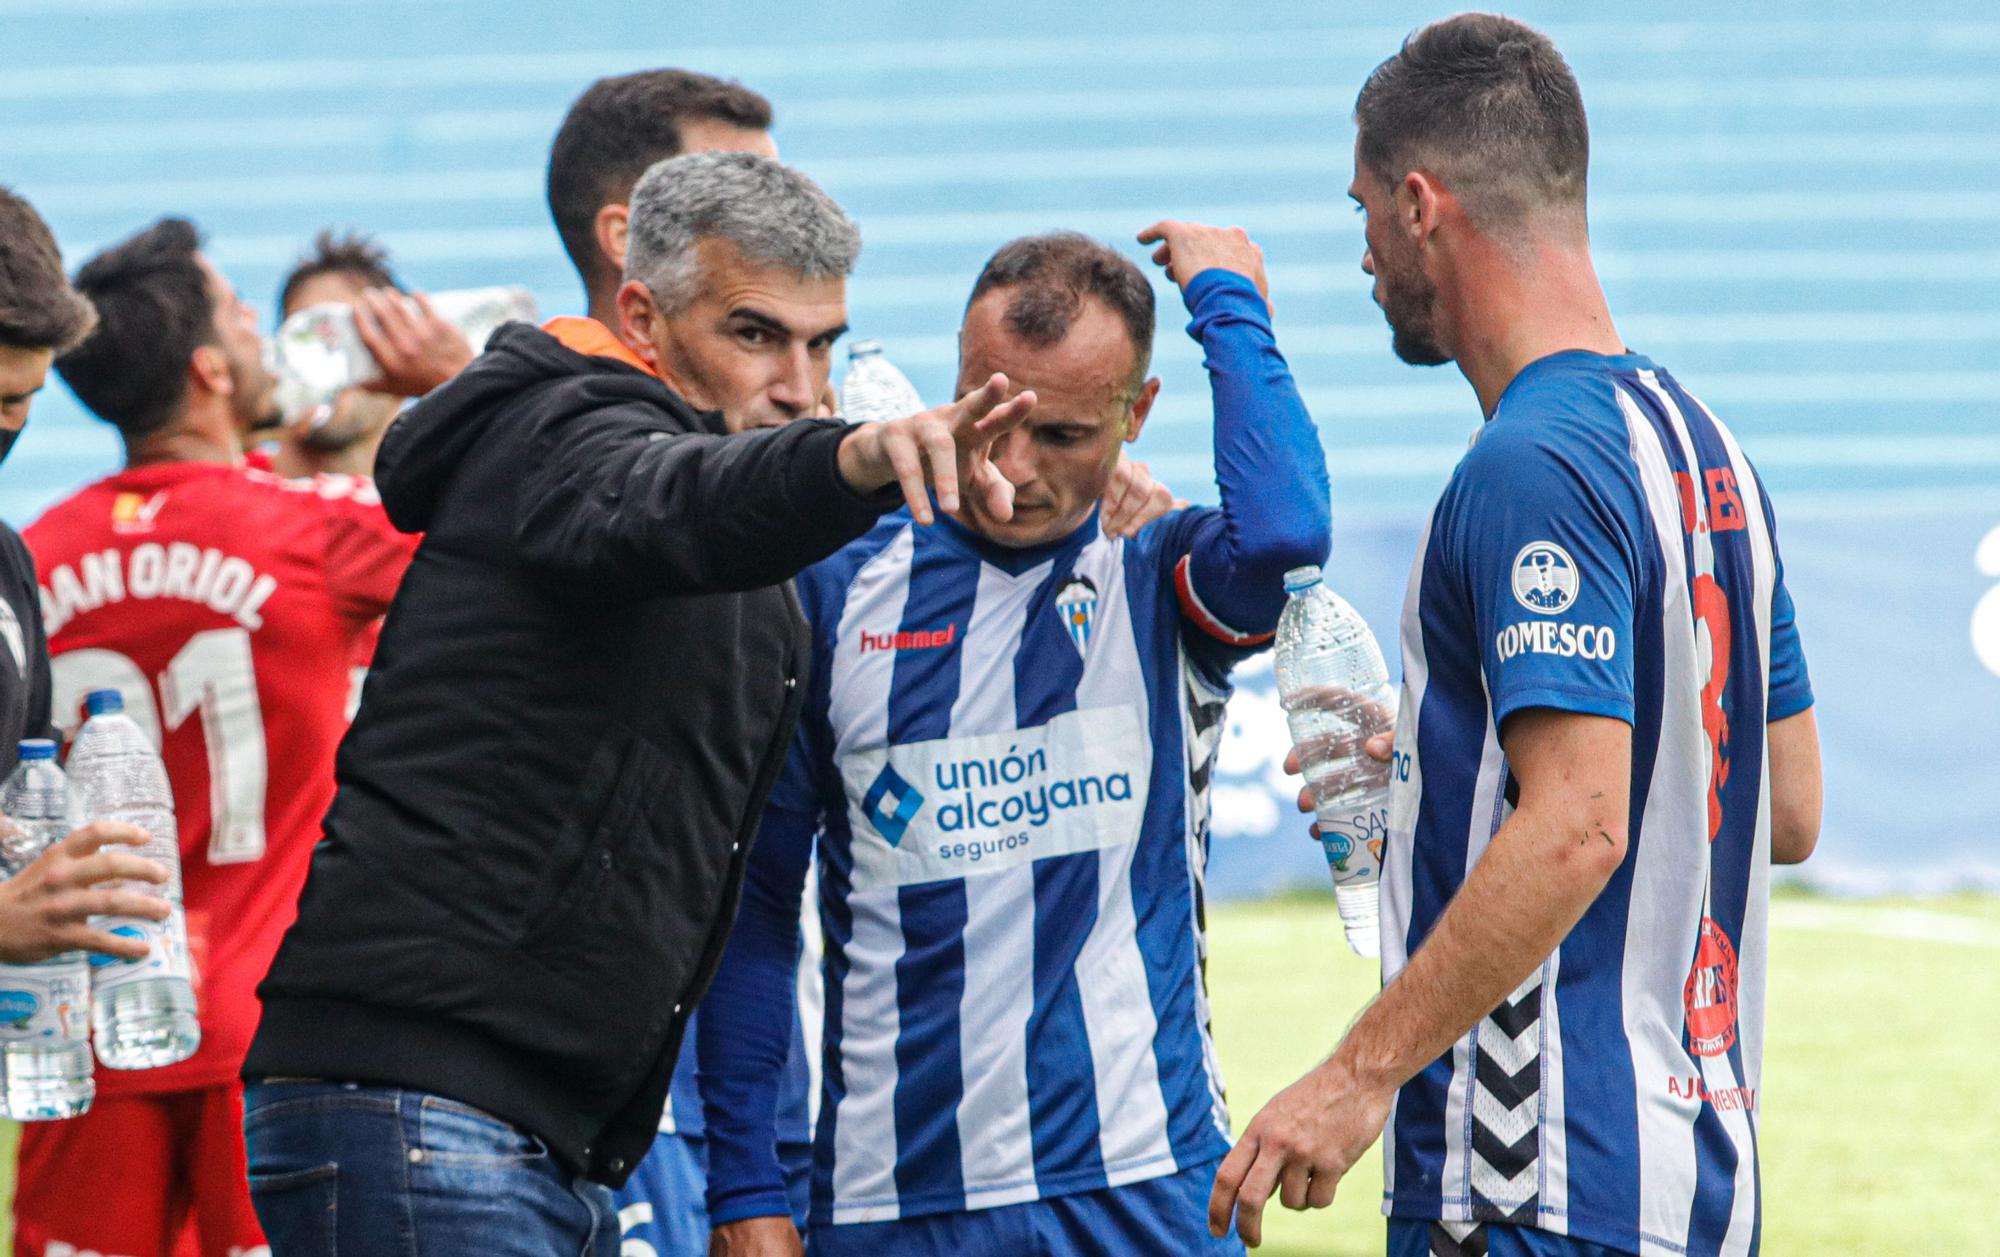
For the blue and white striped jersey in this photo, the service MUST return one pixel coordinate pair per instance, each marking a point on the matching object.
(1604, 548)
(1012, 750)
(1009, 752)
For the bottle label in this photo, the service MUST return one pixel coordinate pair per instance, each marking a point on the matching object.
(46, 1003)
(166, 957)
(1354, 838)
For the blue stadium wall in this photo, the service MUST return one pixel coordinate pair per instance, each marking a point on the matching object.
(1795, 211)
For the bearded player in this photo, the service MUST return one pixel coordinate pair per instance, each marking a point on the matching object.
(224, 603)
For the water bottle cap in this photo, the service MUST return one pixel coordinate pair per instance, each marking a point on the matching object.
(97, 702)
(863, 349)
(1300, 579)
(37, 748)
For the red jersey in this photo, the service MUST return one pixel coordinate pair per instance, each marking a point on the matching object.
(228, 605)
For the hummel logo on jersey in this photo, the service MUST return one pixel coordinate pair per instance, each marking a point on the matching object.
(915, 639)
(1077, 605)
(891, 804)
(1545, 578)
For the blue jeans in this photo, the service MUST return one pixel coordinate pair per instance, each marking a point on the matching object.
(345, 1170)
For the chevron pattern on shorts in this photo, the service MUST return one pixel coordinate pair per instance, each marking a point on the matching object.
(1458, 1239)
(1506, 1108)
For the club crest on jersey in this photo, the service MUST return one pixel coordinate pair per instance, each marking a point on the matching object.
(135, 513)
(1076, 603)
(1710, 993)
(1545, 578)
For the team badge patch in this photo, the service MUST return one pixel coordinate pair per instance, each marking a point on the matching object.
(1710, 993)
(132, 513)
(1545, 578)
(1077, 604)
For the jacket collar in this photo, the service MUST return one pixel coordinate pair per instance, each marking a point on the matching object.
(588, 336)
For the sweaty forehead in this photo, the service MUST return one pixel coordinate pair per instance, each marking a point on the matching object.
(1082, 375)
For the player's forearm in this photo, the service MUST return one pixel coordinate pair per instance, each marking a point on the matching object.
(1269, 466)
(1535, 881)
(1796, 787)
(745, 1029)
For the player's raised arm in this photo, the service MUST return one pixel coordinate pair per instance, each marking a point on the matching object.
(1268, 462)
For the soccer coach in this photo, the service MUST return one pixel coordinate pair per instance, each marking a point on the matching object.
(583, 692)
(1606, 735)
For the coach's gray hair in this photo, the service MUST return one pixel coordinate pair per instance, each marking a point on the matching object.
(773, 214)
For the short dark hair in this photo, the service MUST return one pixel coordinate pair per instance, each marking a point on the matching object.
(1049, 275)
(154, 309)
(351, 253)
(38, 308)
(1490, 106)
(617, 129)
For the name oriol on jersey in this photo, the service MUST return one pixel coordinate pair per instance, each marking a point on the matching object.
(204, 575)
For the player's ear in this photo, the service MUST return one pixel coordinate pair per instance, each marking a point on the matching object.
(208, 370)
(610, 228)
(1420, 203)
(639, 320)
(1142, 405)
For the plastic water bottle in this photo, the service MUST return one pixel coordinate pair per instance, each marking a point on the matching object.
(142, 1011)
(1335, 690)
(44, 1007)
(873, 389)
(318, 352)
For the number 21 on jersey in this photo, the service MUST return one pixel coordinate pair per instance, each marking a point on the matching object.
(212, 674)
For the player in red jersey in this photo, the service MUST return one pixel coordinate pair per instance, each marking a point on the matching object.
(225, 603)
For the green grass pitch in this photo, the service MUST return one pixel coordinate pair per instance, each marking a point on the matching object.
(1880, 1120)
(1879, 1114)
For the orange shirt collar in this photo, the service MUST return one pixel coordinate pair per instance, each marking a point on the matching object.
(588, 336)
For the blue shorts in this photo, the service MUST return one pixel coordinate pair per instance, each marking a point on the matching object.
(664, 1204)
(1159, 1215)
(1420, 1237)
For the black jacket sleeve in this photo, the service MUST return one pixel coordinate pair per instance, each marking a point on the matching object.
(27, 710)
(615, 505)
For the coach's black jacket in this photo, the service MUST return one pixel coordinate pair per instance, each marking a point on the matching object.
(582, 695)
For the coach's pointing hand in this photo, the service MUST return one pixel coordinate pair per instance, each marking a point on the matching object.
(946, 448)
